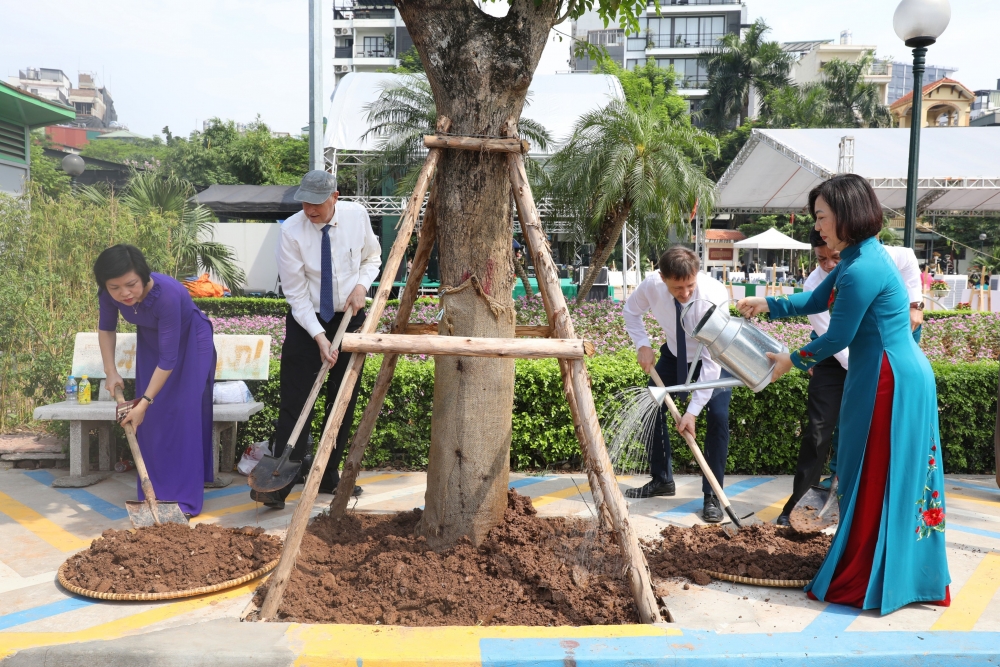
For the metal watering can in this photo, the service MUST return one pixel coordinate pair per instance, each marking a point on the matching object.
(735, 344)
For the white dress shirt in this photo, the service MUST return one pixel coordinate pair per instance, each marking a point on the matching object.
(653, 296)
(906, 262)
(355, 252)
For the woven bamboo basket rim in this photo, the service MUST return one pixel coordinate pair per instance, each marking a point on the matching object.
(775, 583)
(169, 595)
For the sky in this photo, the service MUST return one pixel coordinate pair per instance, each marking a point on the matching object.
(181, 62)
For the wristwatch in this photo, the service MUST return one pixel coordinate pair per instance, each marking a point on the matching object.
(148, 399)
(916, 305)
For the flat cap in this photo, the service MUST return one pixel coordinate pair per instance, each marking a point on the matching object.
(316, 187)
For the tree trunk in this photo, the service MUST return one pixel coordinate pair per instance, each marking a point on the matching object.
(607, 238)
(479, 68)
(522, 273)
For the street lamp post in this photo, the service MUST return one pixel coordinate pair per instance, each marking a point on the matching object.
(982, 241)
(918, 23)
(73, 165)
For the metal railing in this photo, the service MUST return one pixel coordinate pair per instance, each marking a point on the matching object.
(880, 68)
(669, 3)
(343, 51)
(683, 41)
(362, 52)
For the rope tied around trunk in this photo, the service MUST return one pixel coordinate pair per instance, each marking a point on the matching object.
(498, 308)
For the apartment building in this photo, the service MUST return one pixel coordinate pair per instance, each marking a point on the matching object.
(94, 105)
(675, 35)
(986, 108)
(368, 36)
(902, 78)
(812, 56)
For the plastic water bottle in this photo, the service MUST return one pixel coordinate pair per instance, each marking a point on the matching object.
(83, 391)
(70, 389)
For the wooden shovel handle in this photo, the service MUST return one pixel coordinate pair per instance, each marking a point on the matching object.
(320, 379)
(695, 449)
(140, 465)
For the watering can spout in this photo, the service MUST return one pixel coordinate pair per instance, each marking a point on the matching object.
(658, 394)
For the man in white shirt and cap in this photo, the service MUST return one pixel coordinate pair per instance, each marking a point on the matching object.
(677, 283)
(328, 256)
(826, 379)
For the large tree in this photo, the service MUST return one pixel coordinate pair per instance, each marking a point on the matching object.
(742, 63)
(479, 68)
(853, 101)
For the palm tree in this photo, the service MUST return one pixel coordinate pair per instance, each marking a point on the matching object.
(403, 113)
(853, 101)
(738, 65)
(191, 246)
(627, 162)
(798, 107)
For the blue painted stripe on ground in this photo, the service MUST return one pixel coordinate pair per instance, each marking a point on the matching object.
(230, 490)
(731, 492)
(43, 611)
(528, 481)
(708, 649)
(970, 485)
(975, 531)
(82, 496)
(833, 620)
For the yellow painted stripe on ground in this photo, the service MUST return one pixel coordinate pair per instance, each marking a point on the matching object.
(973, 598)
(771, 512)
(11, 642)
(379, 478)
(205, 517)
(575, 490)
(377, 646)
(44, 528)
(959, 496)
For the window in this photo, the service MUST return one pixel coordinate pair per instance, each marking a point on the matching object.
(691, 72)
(374, 47)
(682, 32)
(605, 37)
(84, 108)
(632, 63)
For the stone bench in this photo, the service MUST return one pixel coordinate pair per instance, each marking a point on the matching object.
(239, 358)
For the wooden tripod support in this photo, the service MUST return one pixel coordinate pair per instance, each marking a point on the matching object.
(566, 347)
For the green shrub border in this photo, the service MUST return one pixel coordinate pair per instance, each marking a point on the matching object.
(764, 428)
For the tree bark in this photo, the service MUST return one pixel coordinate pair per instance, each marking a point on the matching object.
(522, 273)
(607, 238)
(479, 68)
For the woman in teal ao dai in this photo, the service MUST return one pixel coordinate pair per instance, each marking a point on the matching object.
(889, 549)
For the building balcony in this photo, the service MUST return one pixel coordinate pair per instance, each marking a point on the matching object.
(362, 53)
(676, 7)
(342, 52)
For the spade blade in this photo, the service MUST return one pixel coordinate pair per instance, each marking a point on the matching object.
(808, 515)
(273, 473)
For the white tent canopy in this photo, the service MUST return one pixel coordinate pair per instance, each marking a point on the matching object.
(776, 169)
(556, 101)
(772, 239)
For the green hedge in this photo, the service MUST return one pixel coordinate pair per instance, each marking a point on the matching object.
(237, 306)
(765, 428)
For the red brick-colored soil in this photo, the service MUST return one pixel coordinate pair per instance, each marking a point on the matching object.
(369, 568)
(762, 551)
(170, 557)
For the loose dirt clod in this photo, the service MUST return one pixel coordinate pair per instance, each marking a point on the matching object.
(763, 551)
(170, 557)
(369, 568)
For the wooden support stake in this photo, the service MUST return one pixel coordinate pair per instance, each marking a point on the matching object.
(300, 518)
(520, 331)
(477, 144)
(548, 284)
(352, 464)
(460, 346)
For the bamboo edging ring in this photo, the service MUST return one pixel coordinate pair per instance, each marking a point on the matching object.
(170, 595)
(774, 583)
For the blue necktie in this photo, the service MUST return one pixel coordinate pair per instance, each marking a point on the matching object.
(326, 279)
(682, 354)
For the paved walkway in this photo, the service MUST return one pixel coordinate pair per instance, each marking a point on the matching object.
(41, 526)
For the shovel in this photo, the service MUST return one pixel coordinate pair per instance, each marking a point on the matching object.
(806, 518)
(149, 512)
(273, 473)
(661, 395)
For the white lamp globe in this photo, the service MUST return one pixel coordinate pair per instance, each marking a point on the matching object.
(73, 165)
(921, 22)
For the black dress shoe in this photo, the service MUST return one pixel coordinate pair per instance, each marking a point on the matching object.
(268, 499)
(783, 520)
(652, 488)
(324, 488)
(711, 512)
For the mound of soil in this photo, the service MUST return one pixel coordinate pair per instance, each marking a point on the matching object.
(170, 557)
(763, 551)
(529, 571)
